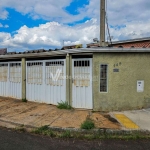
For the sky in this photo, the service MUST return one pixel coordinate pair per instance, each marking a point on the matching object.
(49, 24)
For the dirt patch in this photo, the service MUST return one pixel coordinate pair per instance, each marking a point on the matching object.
(110, 118)
(36, 114)
(103, 122)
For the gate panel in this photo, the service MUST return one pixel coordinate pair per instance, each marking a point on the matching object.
(82, 83)
(45, 81)
(55, 79)
(34, 81)
(15, 74)
(4, 79)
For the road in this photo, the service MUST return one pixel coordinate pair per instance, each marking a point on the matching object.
(13, 140)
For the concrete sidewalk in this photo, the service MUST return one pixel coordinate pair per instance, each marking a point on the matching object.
(32, 114)
(138, 119)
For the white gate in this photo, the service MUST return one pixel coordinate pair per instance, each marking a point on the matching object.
(46, 81)
(4, 79)
(10, 79)
(82, 83)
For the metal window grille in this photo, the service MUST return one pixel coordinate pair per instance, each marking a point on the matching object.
(34, 72)
(103, 78)
(3, 72)
(82, 73)
(15, 72)
(55, 73)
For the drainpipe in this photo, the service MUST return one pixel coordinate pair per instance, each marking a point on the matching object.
(102, 23)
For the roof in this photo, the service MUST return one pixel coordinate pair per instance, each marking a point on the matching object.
(79, 51)
(132, 40)
(3, 51)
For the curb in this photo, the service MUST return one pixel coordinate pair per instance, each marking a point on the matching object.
(84, 131)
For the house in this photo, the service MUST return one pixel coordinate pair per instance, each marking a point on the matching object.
(102, 79)
(131, 43)
(134, 43)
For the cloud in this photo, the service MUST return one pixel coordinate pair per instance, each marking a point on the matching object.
(127, 19)
(52, 35)
(45, 9)
(3, 14)
(4, 26)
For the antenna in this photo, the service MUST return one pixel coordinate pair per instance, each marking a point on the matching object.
(95, 40)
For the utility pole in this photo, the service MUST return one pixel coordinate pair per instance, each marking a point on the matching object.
(102, 23)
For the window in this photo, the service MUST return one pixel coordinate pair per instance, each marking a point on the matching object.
(55, 73)
(3, 72)
(103, 78)
(15, 72)
(34, 72)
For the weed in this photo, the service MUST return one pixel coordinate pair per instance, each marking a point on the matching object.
(66, 134)
(21, 129)
(87, 124)
(64, 105)
(45, 131)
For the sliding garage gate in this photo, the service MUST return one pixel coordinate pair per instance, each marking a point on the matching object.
(10, 79)
(45, 81)
(82, 83)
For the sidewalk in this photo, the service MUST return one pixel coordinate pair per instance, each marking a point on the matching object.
(14, 112)
(134, 119)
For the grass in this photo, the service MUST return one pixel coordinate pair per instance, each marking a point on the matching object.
(66, 134)
(45, 130)
(87, 124)
(64, 105)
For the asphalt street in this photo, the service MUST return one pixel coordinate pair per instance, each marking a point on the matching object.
(14, 140)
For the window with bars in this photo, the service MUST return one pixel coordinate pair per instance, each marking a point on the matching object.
(103, 77)
(82, 73)
(54, 73)
(34, 72)
(3, 72)
(15, 72)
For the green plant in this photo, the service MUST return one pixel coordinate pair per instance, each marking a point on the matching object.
(87, 124)
(66, 134)
(41, 129)
(64, 105)
(44, 130)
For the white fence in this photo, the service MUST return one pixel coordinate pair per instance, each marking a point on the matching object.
(10, 79)
(45, 81)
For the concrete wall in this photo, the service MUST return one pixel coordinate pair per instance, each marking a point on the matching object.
(122, 86)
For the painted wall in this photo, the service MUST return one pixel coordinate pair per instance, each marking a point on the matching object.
(122, 86)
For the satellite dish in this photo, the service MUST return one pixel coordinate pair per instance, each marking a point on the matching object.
(95, 40)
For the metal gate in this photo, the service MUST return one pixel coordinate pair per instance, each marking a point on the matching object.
(4, 79)
(46, 81)
(10, 79)
(82, 83)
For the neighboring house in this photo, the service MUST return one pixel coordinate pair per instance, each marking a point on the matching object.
(102, 79)
(132, 43)
(3, 51)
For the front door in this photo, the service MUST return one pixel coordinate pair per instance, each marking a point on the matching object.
(82, 83)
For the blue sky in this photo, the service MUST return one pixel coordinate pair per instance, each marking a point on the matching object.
(27, 25)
